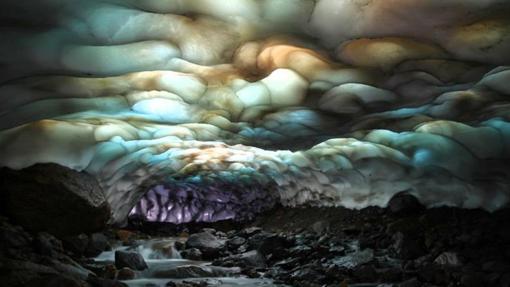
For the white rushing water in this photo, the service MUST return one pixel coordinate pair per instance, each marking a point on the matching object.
(163, 259)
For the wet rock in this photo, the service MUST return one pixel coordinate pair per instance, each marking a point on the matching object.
(109, 271)
(404, 203)
(308, 273)
(179, 245)
(194, 271)
(248, 259)
(126, 274)
(207, 243)
(354, 259)
(450, 259)
(192, 254)
(52, 198)
(235, 242)
(288, 263)
(97, 243)
(163, 249)
(250, 231)
(131, 260)
(256, 239)
(252, 258)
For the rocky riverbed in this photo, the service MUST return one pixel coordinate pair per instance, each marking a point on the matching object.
(403, 245)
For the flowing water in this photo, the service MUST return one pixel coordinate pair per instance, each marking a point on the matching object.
(166, 265)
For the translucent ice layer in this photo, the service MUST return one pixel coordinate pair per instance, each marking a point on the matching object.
(328, 102)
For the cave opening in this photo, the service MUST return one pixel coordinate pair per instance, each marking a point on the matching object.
(191, 201)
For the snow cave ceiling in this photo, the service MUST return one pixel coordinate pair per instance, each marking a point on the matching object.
(249, 102)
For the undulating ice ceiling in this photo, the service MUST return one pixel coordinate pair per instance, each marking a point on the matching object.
(326, 102)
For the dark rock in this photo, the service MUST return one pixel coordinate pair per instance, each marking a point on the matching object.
(209, 230)
(55, 280)
(252, 258)
(308, 273)
(301, 251)
(354, 259)
(256, 239)
(131, 260)
(126, 274)
(404, 203)
(413, 282)
(391, 274)
(52, 198)
(77, 244)
(97, 243)
(192, 254)
(365, 273)
(13, 236)
(407, 247)
(449, 259)
(320, 227)
(496, 266)
(275, 247)
(492, 279)
(109, 271)
(505, 280)
(194, 271)
(288, 263)
(250, 231)
(472, 280)
(248, 259)
(251, 273)
(16, 274)
(47, 245)
(433, 273)
(235, 242)
(179, 245)
(70, 268)
(207, 243)
(101, 282)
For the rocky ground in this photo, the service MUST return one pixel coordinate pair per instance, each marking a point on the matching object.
(403, 245)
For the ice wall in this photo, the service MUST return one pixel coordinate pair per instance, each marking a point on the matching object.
(331, 102)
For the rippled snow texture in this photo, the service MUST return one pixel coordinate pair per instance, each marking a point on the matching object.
(329, 102)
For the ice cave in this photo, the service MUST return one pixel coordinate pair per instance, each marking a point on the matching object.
(211, 142)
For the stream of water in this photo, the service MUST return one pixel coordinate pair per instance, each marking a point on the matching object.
(166, 264)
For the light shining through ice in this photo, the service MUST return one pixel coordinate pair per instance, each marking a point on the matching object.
(205, 110)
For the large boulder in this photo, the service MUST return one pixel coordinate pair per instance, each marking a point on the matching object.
(404, 203)
(53, 198)
(207, 243)
(131, 260)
